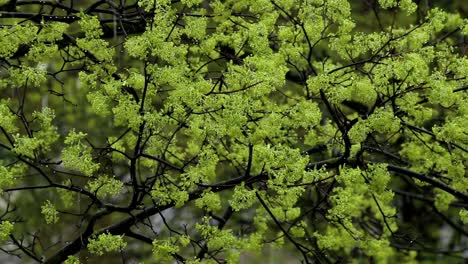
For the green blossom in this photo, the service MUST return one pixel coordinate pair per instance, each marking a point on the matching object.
(52, 31)
(465, 28)
(384, 121)
(408, 6)
(98, 47)
(6, 178)
(28, 76)
(47, 135)
(196, 26)
(76, 155)
(68, 198)
(106, 243)
(443, 200)
(165, 195)
(163, 250)
(90, 25)
(191, 3)
(6, 228)
(242, 198)
(72, 260)
(464, 216)
(359, 131)
(100, 104)
(25, 145)
(127, 113)
(210, 201)
(105, 186)
(49, 212)
(12, 37)
(379, 177)
(387, 3)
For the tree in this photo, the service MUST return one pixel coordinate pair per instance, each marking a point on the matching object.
(208, 131)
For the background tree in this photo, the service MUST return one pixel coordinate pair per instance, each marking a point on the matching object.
(212, 131)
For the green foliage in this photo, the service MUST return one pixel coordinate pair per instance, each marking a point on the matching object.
(68, 198)
(105, 186)
(221, 240)
(464, 216)
(6, 177)
(104, 243)
(209, 200)
(12, 37)
(242, 198)
(162, 250)
(165, 195)
(220, 130)
(7, 119)
(72, 260)
(76, 155)
(50, 213)
(6, 228)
